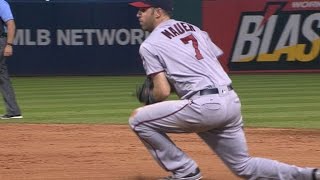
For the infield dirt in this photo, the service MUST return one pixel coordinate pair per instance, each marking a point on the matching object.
(112, 152)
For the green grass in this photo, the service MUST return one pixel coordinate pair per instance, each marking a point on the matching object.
(286, 100)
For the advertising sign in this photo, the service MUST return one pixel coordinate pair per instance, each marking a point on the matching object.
(265, 35)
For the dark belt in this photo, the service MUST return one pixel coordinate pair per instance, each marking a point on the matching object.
(3, 35)
(213, 91)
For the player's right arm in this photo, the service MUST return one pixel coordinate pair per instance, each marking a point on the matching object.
(161, 87)
(154, 69)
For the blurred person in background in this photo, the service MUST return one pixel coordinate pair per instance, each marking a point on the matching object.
(7, 33)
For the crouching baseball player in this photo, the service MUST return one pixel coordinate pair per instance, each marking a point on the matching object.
(181, 54)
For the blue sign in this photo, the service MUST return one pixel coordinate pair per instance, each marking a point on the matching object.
(76, 38)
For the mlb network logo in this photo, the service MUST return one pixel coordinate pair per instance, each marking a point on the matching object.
(284, 36)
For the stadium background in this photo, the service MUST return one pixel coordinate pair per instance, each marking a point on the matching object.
(41, 50)
(102, 37)
(76, 127)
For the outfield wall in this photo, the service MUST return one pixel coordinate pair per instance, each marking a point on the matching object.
(76, 38)
(82, 37)
(102, 37)
(265, 35)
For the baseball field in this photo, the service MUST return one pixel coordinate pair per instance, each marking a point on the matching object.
(76, 128)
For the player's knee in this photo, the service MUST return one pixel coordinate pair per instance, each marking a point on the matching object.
(132, 118)
(239, 172)
(242, 169)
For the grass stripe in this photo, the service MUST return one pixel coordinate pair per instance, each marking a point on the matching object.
(268, 100)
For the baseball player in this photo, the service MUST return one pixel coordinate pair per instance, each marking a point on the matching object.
(7, 32)
(181, 54)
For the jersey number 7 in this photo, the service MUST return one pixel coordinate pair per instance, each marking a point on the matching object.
(186, 40)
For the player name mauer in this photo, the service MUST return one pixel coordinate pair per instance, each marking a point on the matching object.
(177, 29)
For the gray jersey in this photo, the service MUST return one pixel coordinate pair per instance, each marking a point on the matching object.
(191, 64)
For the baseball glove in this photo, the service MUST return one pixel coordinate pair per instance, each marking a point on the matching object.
(144, 92)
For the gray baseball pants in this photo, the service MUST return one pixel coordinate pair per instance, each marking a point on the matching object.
(6, 88)
(218, 122)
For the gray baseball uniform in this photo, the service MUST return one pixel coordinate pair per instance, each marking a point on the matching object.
(6, 88)
(208, 106)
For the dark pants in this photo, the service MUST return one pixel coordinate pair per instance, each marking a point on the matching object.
(6, 88)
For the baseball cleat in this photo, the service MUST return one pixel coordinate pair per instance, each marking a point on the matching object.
(6, 116)
(316, 174)
(196, 175)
